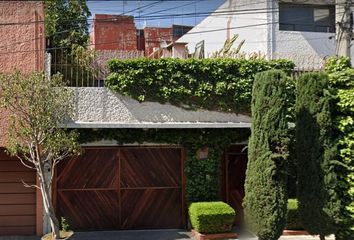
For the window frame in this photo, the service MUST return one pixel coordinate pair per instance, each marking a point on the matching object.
(312, 26)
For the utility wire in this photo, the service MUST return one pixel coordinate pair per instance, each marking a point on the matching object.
(213, 13)
(198, 32)
(167, 35)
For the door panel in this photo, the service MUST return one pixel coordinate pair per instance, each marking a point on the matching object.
(17, 202)
(94, 168)
(150, 167)
(89, 210)
(122, 188)
(151, 208)
(236, 164)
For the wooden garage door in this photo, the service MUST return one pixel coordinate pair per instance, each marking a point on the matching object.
(122, 188)
(17, 203)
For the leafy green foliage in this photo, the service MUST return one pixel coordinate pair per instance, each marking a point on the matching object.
(316, 152)
(293, 220)
(217, 84)
(64, 225)
(37, 106)
(341, 76)
(211, 217)
(266, 176)
(202, 176)
(66, 23)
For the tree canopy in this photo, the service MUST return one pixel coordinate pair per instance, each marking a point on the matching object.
(66, 23)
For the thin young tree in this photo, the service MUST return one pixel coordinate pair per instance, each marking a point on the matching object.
(316, 154)
(38, 107)
(266, 176)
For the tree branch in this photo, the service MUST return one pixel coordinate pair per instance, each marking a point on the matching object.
(29, 185)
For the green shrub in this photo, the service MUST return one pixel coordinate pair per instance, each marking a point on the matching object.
(216, 84)
(341, 78)
(211, 217)
(293, 221)
(266, 176)
(317, 155)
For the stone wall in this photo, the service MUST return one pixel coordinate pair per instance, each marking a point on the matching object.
(101, 108)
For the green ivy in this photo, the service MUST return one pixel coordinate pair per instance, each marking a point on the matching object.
(202, 176)
(341, 76)
(215, 84)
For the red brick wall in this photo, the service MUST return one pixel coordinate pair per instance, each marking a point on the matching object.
(112, 32)
(22, 43)
(154, 36)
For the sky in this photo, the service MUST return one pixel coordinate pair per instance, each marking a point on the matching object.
(161, 9)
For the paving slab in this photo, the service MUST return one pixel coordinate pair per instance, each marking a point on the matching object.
(147, 235)
(135, 235)
(19, 238)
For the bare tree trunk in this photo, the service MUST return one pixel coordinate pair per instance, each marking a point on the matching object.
(322, 237)
(48, 206)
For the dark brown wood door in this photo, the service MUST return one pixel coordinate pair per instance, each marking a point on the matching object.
(236, 165)
(122, 188)
(17, 203)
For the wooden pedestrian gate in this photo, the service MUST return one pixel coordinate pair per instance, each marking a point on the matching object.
(122, 188)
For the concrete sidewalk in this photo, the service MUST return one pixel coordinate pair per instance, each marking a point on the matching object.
(161, 235)
(147, 235)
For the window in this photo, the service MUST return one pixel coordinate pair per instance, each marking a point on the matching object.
(306, 18)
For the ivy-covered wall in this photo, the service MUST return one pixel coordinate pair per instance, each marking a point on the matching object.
(202, 176)
(214, 84)
(341, 76)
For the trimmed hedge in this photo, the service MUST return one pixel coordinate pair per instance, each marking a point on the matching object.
(211, 217)
(293, 221)
(215, 84)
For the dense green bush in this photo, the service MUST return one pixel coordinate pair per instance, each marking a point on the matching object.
(266, 176)
(341, 76)
(317, 153)
(211, 217)
(217, 84)
(293, 221)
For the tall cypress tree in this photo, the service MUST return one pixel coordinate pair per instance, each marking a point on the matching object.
(266, 177)
(316, 152)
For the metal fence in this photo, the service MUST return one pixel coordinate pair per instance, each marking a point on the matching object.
(75, 72)
(83, 71)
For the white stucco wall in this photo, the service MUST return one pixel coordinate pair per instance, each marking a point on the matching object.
(261, 33)
(251, 26)
(306, 49)
(101, 108)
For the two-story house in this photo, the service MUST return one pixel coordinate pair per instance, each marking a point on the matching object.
(303, 31)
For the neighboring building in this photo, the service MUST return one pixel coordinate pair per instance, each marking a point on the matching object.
(172, 50)
(114, 32)
(154, 37)
(303, 31)
(22, 47)
(118, 33)
(161, 42)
